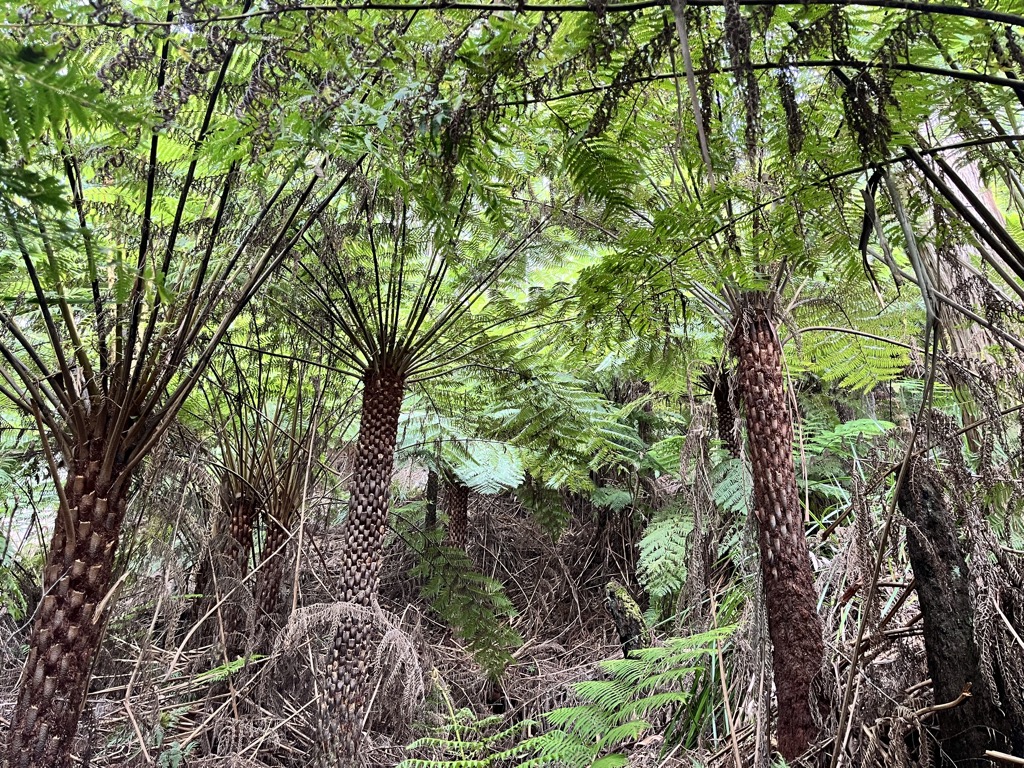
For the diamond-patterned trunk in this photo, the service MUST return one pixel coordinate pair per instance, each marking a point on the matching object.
(238, 546)
(272, 568)
(364, 530)
(241, 516)
(457, 502)
(790, 595)
(725, 414)
(68, 626)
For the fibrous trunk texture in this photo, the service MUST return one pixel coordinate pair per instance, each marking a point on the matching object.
(457, 503)
(942, 580)
(430, 519)
(242, 515)
(363, 531)
(68, 629)
(268, 588)
(790, 595)
(725, 414)
(238, 546)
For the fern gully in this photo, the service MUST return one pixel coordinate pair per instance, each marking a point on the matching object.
(790, 597)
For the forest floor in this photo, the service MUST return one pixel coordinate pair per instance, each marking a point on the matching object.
(162, 695)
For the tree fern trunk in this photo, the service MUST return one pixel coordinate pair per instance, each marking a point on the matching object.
(242, 515)
(725, 414)
(268, 590)
(430, 517)
(790, 595)
(942, 579)
(457, 502)
(68, 626)
(364, 530)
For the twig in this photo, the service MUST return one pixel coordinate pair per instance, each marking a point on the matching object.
(1007, 622)
(926, 711)
(919, 686)
(1003, 757)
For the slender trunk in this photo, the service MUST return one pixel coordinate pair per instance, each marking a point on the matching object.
(430, 519)
(364, 531)
(790, 595)
(725, 414)
(942, 579)
(457, 502)
(68, 627)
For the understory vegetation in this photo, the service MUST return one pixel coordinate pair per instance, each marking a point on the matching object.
(506, 385)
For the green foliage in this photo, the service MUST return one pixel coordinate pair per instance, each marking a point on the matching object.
(41, 88)
(732, 486)
(609, 497)
(564, 429)
(619, 709)
(664, 455)
(653, 685)
(463, 741)
(224, 671)
(664, 548)
(473, 604)
(546, 505)
(448, 444)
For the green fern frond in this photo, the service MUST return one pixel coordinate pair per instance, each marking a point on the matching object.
(473, 604)
(662, 565)
(732, 486)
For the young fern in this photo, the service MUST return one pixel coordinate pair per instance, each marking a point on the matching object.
(465, 742)
(664, 549)
(474, 605)
(648, 687)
